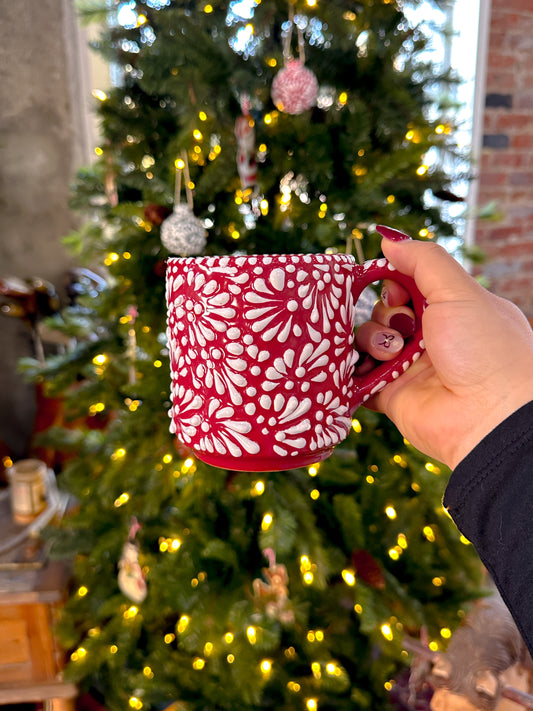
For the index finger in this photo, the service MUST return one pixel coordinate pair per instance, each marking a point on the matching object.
(437, 274)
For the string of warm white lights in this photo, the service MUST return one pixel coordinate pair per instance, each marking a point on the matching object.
(391, 629)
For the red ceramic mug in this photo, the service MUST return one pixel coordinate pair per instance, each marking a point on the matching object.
(262, 356)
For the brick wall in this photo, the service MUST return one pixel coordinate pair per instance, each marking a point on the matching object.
(506, 169)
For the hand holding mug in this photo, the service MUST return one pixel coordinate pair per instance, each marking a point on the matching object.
(476, 369)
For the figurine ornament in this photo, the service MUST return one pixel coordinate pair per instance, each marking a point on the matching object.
(273, 595)
(131, 578)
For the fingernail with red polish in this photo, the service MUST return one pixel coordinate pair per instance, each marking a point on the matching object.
(387, 342)
(391, 233)
(402, 323)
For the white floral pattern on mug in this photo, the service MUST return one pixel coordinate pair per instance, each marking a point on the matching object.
(201, 312)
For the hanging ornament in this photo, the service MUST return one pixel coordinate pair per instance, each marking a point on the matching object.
(182, 449)
(273, 595)
(182, 233)
(155, 213)
(131, 351)
(295, 88)
(160, 268)
(245, 135)
(110, 183)
(368, 569)
(131, 580)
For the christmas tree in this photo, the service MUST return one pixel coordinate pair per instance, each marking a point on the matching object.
(215, 589)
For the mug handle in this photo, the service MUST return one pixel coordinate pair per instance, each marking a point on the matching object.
(371, 383)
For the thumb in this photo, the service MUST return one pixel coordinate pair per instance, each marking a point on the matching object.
(436, 273)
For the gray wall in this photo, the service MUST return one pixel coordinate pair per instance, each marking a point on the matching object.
(43, 139)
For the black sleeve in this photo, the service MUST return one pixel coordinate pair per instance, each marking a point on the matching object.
(490, 498)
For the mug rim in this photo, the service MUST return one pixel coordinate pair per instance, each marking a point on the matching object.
(276, 257)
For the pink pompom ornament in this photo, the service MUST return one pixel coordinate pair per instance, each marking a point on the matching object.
(295, 88)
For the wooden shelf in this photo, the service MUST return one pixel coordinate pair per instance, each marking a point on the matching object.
(33, 693)
(32, 590)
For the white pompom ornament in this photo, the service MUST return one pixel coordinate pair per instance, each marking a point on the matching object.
(182, 233)
(295, 88)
